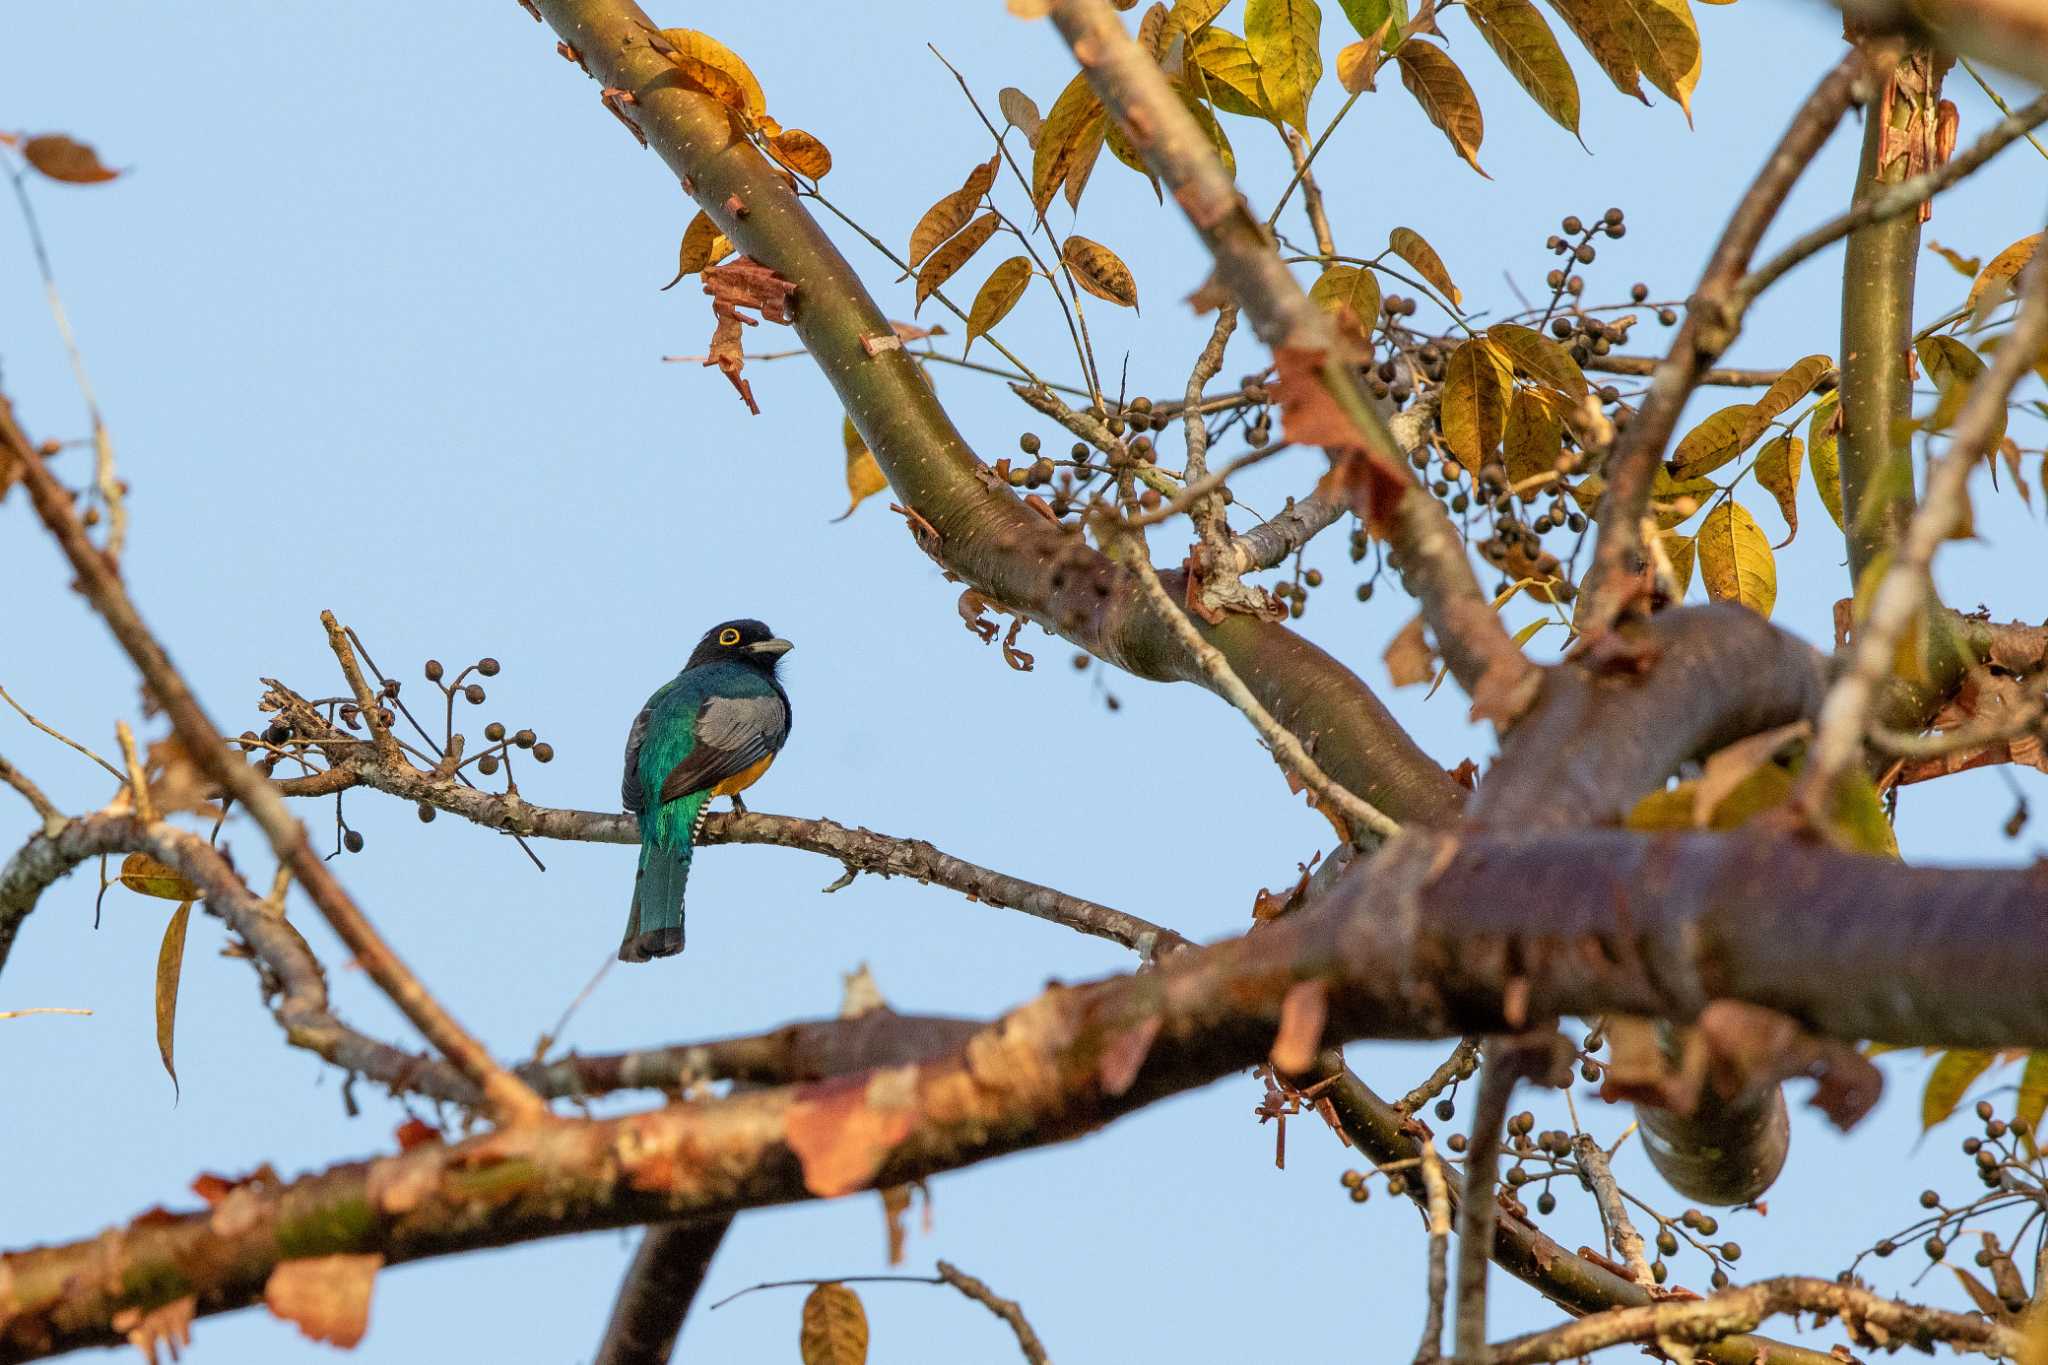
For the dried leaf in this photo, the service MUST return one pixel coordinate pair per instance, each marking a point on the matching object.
(168, 1325)
(703, 244)
(715, 69)
(800, 152)
(955, 252)
(65, 159)
(1069, 138)
(1445, 95)
(835, 1327)
(952, 212)
(1736, 560)
(1823, 436)
(146, 876)
(745, 283)
(1664, 42)
(1230, 72)
(328, 1297)
(1358, 66)
(1098, 270)
(1516, 32)
(1589, 20)
(170, 964)
(864, 477)
(1352, 290)
(2003, 270)
(1409, 658)
(1302, 1012)
(1021, 112)
(1474, 404)
(1410, 246)
(1777, 469)
(1966, 266)
(996, 297)
(1950, 1080)
(1794, 384)
(1715, 441)
(1987, 1302)
(1285, 40)
(1540, 359)
(843, 1130)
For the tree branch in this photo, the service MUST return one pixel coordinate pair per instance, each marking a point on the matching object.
(1006, 1309)
(667, 1271)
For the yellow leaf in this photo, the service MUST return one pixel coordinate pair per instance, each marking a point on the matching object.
(2004, 268)
(703, 244)
(1097, 270)
(1664, 42)
(1357, 65)
(996, 297)
(942, 264)
(1950, 1080)
(1191, 16)
(1777, 469)
(1678, 550)
(1954, 368)
(1232, 74)
(1735, 559)
(1445, 95)
(1855, 818)
(715, 69)
(952, 212)
(1716, 441)
(1596, 31)
(1525, 45)
(1528, 632)
(146, 876)
(1791, 386)
(1070, 137)
(1966, 266)
(1285, 39)
(1823, 435)
(1409, 245)
(1534, 437)
(1675, 500)
(864, 476)
(1909, 659)
(170, 964)
(1349, 288)
(835, 1327)
(1475, 399)
(1540, 359)
(800, 152)
(2033, 1097)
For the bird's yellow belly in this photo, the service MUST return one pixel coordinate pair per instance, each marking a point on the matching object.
(743, 779)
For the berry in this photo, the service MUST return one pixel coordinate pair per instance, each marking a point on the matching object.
(487, 666)
(473, 694)
(1573, 226)
(1028, 443)
(494, 732)
(352, 841)
(543, 752)
(426, 813)
(1639, 291)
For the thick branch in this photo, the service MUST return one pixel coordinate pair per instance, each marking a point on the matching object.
(666, 1273)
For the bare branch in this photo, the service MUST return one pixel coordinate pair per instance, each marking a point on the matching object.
(667, 1272)
(52, 818)
(1006, 1309)
(1613, 1213)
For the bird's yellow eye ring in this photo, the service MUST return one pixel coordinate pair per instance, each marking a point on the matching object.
(728, 636)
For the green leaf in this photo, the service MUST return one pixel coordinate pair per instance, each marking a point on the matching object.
(1445, 95)
(1473, 407)
(1716, 441)
(1950, 1080)
(1540, 359)
(1777, 469)
(1735, 559)
(1367, 15)
(944, 263)
(1534, 437)
(1596, 32)
(1232, 75)
(1349, 287)
(145, 876)
(1856, 816)
(1664, 42)
(1515, 30)
(1823, 435)
(1791, 386)
(1409, 245)
(996, 297)
(1285, 38)
(170, 965)
(1069, 137)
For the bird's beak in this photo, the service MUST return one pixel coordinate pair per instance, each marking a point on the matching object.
(772, 648)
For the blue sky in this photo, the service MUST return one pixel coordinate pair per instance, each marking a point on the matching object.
(374, 318)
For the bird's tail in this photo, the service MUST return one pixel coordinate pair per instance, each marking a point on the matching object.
(654, 926)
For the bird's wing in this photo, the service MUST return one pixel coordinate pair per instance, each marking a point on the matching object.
(733, 734)
(629, 786)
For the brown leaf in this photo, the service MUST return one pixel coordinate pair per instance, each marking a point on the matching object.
(328, 1297)
(416, 1133)
(955, 252)
(1441, 89)
(1411, 247)
(168, 1325)
(146, 876)
(62, 158)
(1123, 1056)
(1302, 1012)
(842, 1130)
(1540, 359)
(1474, 404)
(745, 283)
(1795, 383)
(170, 965)
(1100, 271)
(703, 244)
(1409, 658)
(1069, 139)
(2001, 272)
(996, 297)
(1664, 42)
(1588, 19)
(801, 152)
(953, 211)
(835, 1326)
(895, 1203)
(1516, 32)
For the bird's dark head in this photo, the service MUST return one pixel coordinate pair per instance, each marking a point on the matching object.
(744, 641)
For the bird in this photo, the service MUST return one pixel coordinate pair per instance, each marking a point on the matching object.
(711, 730)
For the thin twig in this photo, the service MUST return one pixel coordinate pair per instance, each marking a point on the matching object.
(1622, 1233)
(1006, 1309)
(40, 1009)
(1997, 99)
(1437, 1194)
(53, 819)
(58, 735)
(1477, 1210)
(1449, 1069)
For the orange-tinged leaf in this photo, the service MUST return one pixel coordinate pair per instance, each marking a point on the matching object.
(1516, 32)
(1794, 384)
(1070, 136)
(1408, 657)
(1664, 42)
(1777, 469)
(952, 212)
(835, 1327)
(1409, 245)
(1735, 559)
(1823, 437)
(1950, 1080)
(1358, 66)
(1098, 270)
(1445, 95)
(2001, 272)
(1231, 73)
(955, 252)
(1966, 266)
(1285, 40)
(703, 244)
(1534, 437)
(167, 1325)
(1475, 401)
(1021, 112)
(716, 69)
(1540, 359)
(996, 297)
(328, 1297)
(1302, 1013)
(801, 152)
(66, 159)
(1716, 441)
(146, 876)
(1596, 31)
(864, 477)
(170, 965)
(1352, 289)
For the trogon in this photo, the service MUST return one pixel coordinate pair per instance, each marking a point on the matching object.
(712, 730)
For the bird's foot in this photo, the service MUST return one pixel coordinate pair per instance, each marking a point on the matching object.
(739, 807)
